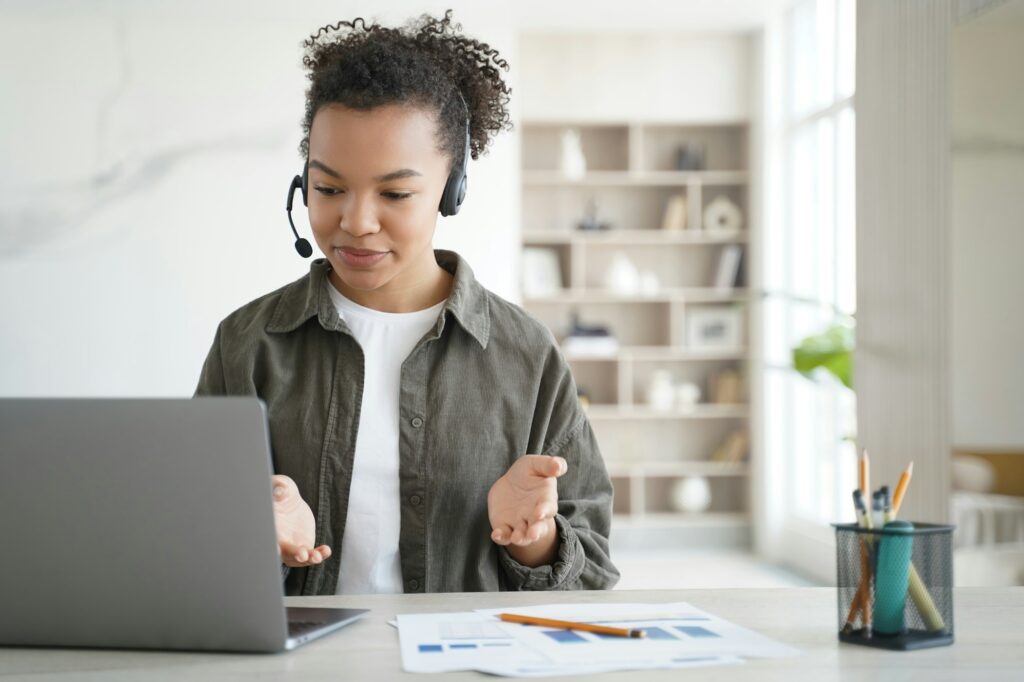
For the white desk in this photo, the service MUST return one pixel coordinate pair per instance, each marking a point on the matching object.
(988, 625)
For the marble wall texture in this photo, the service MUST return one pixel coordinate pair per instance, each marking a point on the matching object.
(146, 152)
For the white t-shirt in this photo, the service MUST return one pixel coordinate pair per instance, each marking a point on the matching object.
(369, 548)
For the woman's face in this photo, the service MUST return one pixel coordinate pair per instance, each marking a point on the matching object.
(375, 182)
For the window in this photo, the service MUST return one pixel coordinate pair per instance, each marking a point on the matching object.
(809, 266)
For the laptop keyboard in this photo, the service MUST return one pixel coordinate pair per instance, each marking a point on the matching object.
(299, 628)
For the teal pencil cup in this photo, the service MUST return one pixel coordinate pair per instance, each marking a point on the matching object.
(895, 585)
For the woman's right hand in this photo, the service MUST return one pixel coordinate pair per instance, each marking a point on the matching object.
(296, 527)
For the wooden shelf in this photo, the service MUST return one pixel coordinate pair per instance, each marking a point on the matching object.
(610, 412)
(676, 469)
(637, 178)
(629, 184)
(619, 237)
(662, 354)
(690, 295)
(679, 520)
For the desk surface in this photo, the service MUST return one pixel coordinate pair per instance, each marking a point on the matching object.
(989, 630)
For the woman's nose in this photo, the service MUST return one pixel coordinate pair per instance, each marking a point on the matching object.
(358, 216)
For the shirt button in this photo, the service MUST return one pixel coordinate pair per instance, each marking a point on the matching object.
(414, 584)
(417, 422)
(415, 499)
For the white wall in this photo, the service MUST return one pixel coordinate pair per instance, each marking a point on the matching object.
(988, 231)
(651, 77)
(147, 152)
(148, 148)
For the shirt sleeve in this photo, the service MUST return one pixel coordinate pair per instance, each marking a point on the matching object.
(211, 382)
(211, 376)
(583, 521)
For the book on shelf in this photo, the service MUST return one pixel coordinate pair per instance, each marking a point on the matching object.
(727, 275)
(674, 218)
(733, 449)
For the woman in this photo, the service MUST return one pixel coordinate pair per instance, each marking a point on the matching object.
(427, 428)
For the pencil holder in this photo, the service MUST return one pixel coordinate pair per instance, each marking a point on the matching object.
(895, 584)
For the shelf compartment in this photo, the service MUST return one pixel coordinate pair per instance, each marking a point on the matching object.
(673, 295)
(728, 495)
(622, 237)
(662, 442)
(700, 374)
(636, 412)
(677, 469)
(663, 178)
(680, 520)
(599, 380)
(725, 146)
(632, 325)
(562, 207)
(605, 146)
(663, 354)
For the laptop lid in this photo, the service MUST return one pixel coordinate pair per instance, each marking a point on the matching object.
(138, 522)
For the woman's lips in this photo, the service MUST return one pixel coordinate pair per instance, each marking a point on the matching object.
(360, 258)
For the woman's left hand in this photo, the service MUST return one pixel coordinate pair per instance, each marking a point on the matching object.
(522, 504)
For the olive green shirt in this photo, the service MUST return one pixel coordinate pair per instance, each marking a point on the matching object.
(485, 386)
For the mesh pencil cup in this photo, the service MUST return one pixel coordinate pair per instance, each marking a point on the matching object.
(895, 584)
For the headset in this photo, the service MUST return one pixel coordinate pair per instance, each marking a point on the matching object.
(451, 198)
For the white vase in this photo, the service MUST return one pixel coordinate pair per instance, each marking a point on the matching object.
(691, 494)
(687, 395)
(660, 391)
(622, 277)
(574, 163)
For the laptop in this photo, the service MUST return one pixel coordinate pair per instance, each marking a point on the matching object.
(144, 523)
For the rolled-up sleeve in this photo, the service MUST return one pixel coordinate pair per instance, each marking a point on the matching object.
(583, 522)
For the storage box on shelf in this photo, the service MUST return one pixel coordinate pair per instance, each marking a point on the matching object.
(681, 324)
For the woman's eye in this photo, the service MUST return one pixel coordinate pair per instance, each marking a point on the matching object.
(328, 191)
(396, 195)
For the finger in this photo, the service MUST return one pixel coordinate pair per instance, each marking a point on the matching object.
(544, 510)
(325, 551)
(518, 534)
(294, 552)
(315, 557)
(501, 535)
(547, 466)
(536, 531)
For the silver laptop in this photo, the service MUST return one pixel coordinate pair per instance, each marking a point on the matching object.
(143, 523)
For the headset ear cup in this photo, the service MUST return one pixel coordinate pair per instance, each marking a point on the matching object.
(445, 203)
(305, 184)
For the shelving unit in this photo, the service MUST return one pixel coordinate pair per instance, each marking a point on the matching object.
(631, 177)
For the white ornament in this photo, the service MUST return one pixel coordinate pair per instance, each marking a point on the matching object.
(687, 395)
(574, 163)
(691, 494)
(661, 392)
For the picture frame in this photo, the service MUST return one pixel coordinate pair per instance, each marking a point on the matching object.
(541, 272)
(714, 327)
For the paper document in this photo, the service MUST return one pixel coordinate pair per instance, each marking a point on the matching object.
(678, 635)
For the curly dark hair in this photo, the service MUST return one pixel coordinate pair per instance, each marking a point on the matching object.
(426, 64)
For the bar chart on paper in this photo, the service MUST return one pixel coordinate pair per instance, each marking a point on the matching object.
(676, 635)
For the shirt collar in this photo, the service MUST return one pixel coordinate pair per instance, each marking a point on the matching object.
(305, 298)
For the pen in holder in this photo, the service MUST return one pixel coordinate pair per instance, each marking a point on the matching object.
(895, 584)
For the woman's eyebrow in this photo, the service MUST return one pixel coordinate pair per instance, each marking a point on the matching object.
(393, 175)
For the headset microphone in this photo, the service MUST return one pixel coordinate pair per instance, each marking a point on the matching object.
(301, 245)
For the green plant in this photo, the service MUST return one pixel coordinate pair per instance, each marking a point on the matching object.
(831, 350)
